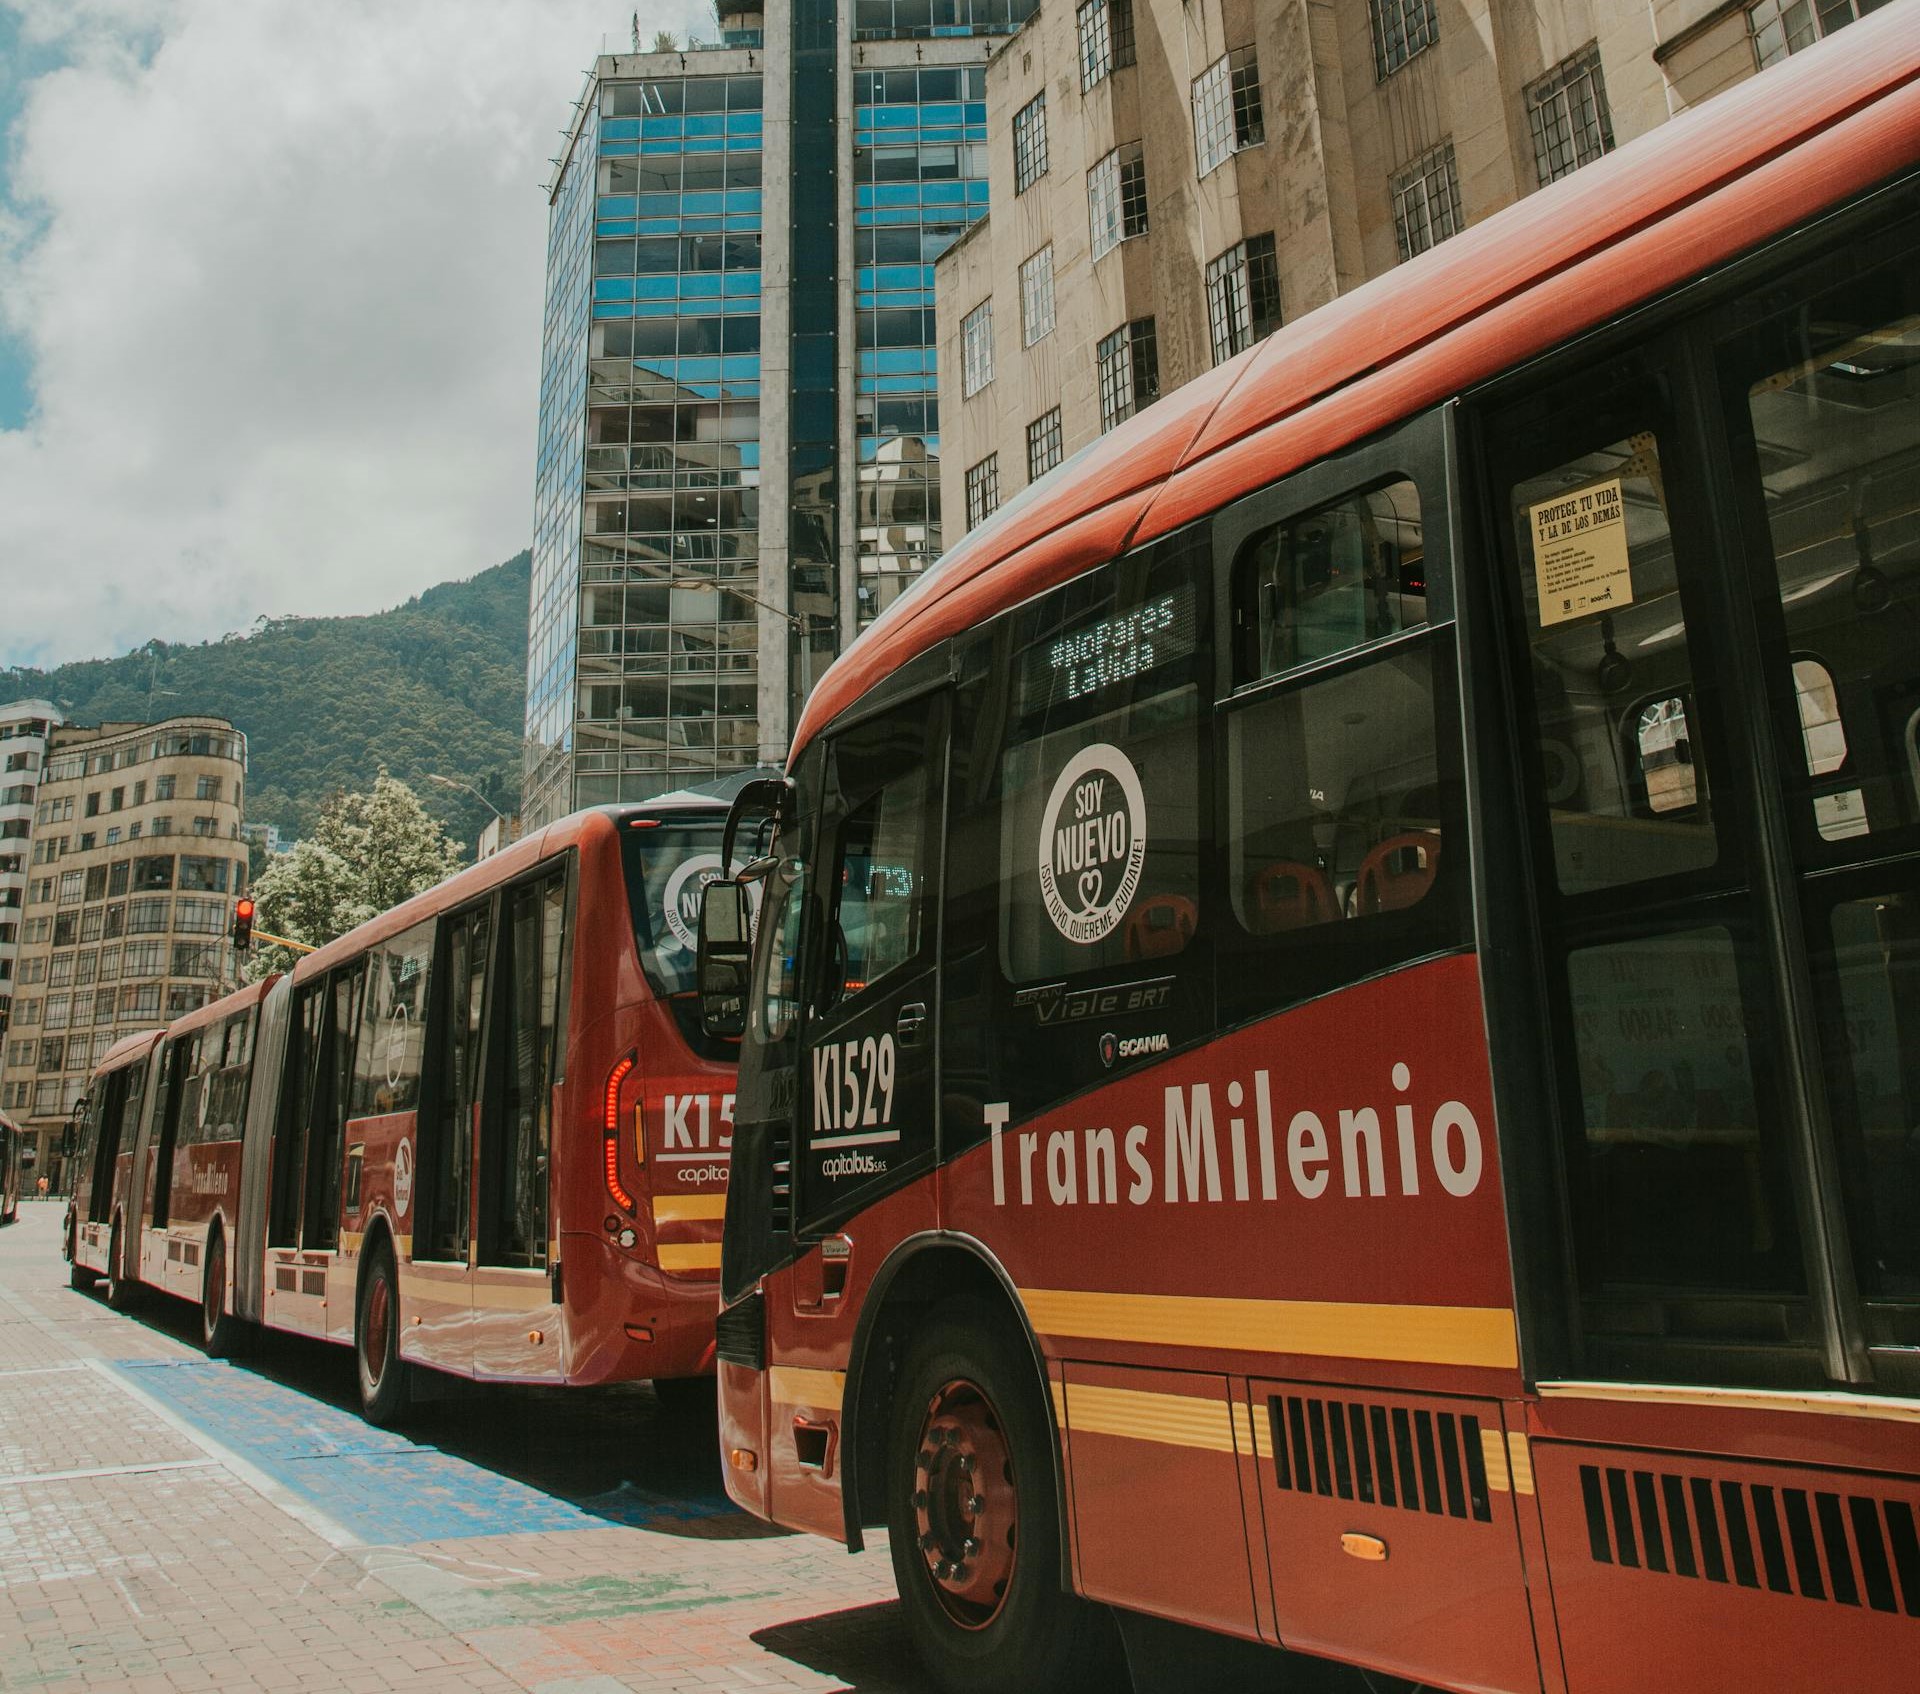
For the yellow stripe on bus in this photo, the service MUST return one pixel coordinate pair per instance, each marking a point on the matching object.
(1426, 1335)
(1493, 1454)
(688, 1208)
(818, 1390)
(1174, 1420)
(697, 1255)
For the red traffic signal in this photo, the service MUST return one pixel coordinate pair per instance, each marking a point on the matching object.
(242, 925)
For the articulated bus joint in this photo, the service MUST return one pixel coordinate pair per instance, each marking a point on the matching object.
(962, 1260)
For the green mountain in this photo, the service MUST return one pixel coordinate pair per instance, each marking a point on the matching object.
(437, 685)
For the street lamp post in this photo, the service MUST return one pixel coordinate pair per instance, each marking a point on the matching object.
(455, 782)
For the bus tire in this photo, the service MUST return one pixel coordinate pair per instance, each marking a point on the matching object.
(386, 1385)
(120, 1287)
(973, 1520)
(219, 1328)
(81, 1280)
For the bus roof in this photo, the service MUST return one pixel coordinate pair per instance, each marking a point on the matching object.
(1709, 184)
(214, 1010)
(503, 866)
(127, 1049)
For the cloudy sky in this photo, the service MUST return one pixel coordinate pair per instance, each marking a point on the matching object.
(270, 292)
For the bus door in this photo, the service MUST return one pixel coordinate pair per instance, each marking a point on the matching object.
(867, 1070)
(180, 1063)
(513, 1297)
(1703, 554)
(438, 1286)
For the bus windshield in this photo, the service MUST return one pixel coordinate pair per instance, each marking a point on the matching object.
(667, 862)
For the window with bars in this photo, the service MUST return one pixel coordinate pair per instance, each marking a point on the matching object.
(1117, 198)
(976, 350)
(1568, 111)
(1780, 27)
(1426, 202)
(1036, 296)
(1227, 113)
(1030, 144)
(983, 490)
(1243, 296)
(1106, 38)
(1401, 28)
(1043, 445)
(1129, 364)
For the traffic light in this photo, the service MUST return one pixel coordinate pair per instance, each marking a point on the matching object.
(242, 925)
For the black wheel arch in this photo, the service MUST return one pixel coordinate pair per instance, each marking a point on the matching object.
(920, 1273)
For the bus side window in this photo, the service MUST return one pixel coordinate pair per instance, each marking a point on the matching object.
(1334, 787)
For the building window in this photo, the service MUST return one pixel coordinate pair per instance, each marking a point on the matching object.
(1227, 114)
(983, 490)
(1401, 28)
(163, 788)
(1568, 111)
(1243, 296)
(1129, 361)
(1117, 198)
(1780, 27)
(1036, 296)
(1030, 144)
(976, 350)
(1426, 202)
(71, 885)
(1106, 38)
(1043, 445)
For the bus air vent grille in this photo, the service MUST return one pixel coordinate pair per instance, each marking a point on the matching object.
(740, 1334)
(1790, 1540)
(1406, 1457)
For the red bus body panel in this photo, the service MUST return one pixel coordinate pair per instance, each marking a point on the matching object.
(1220, 1368)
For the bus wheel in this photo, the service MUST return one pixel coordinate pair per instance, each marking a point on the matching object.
(973, 1520)
(386, 1392)
(219, 1328)
(121, 1287)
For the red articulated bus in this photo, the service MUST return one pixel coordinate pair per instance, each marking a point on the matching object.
(483, 1133)
(1331, 1058)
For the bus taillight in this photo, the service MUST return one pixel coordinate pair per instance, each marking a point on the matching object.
(611, 1125)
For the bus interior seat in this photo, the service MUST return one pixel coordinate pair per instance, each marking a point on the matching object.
(1289, 894)
(1160, 926)
(1398, 871)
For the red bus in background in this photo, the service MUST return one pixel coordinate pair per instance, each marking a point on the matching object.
(1332, 1054)
(482, 1134)
(10, 1145)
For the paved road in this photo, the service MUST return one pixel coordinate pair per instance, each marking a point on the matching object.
(170, 1524)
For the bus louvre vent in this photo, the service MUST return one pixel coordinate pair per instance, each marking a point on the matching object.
(1755, 1536)
(740, 1334)
(1410, 1458)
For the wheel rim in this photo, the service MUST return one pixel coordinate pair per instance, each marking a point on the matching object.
(215, 1302)
(373, 1340)
(965, 1505)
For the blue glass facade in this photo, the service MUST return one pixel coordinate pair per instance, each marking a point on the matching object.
(559, 473)
(920, 179)
(649, 609)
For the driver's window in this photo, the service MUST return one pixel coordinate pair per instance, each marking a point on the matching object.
(876, 893)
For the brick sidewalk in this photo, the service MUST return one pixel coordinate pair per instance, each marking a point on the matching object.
(169, 1524)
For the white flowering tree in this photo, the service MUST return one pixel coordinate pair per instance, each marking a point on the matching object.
(368, 852)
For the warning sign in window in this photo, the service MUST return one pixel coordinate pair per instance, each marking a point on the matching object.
(1580, 553)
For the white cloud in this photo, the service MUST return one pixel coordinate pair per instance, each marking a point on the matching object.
(279, 269)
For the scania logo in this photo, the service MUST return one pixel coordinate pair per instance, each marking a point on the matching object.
(1133, 1047)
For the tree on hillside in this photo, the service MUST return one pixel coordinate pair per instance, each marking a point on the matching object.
(368, 852)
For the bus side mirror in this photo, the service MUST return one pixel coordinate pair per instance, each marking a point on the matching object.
(726, 945)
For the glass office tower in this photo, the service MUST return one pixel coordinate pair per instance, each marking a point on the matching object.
(738, 461)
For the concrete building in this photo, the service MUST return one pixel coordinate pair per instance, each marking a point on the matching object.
(25, 726)
(739, 440)
(1172, 179)
(134, 862)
